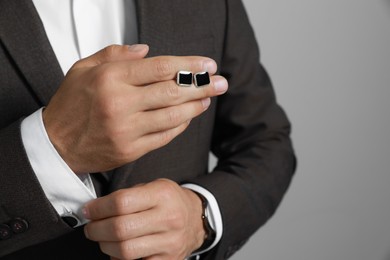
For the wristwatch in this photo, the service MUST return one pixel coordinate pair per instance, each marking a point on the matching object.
(210, 232)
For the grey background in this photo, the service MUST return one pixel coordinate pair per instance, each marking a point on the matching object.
(330, 64)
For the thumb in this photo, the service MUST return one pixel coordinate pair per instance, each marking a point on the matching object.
(114, 53)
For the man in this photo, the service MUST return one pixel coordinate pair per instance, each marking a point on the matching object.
(118, 126)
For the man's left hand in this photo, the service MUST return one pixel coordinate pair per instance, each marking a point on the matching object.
(157, 220)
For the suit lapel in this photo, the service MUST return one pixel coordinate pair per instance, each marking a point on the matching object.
(145, 29)
(23, 36)
(154, 24)
(175, 27)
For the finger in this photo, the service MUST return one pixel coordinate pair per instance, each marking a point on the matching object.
(114, 53)
(126, 227)
(149, 142)
(121, 202)
(153, 141)
(168, 93)
(162, 68)
(136, 248)
(163, 119)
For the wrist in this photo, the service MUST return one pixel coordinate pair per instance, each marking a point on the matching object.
(209, 232)
(196, 210)
(58, 141)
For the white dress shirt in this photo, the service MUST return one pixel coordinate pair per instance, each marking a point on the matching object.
(76, 29)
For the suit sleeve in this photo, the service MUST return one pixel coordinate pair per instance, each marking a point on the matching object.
(251, 140)
(22, 198)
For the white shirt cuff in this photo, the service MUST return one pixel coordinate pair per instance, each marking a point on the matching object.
(66, 191)
(213, 213)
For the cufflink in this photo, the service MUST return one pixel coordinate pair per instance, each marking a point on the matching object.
(70, 219)
(202, 79)
(184, 78)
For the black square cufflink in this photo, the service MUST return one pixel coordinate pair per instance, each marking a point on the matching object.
(202, 79)
(184, 78)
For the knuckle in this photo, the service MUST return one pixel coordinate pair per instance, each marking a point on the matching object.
(163, 138)
(115, 136)
(170, 191)
(103, 76)
(107, 98)
(128, 153)
(176, 220)
(175, 245)
(127, 250)
(103, 73)
(172, 92)
(174, 117)
(167, 189)
(76, 65)
(121, 228)
(120, 202)
(163, 67)
(124, 153)
(118, 229)
(116, 143)
(109, 106)
(109, 51)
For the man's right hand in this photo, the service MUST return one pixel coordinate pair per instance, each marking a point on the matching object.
(115, 106)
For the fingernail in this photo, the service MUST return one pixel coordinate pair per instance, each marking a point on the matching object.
(206, 103)
(220, 85)
(85, 213)
(210, 66)
(137, 47)
(86, 232)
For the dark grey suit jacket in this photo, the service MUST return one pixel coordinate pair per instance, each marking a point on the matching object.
(245, 128)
